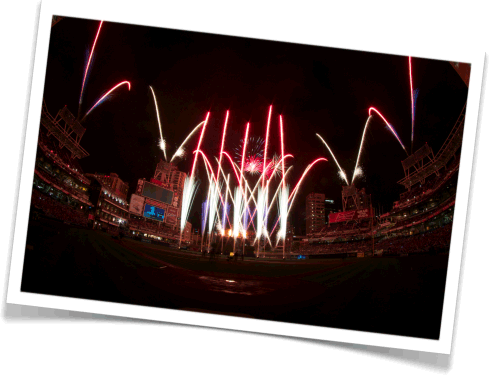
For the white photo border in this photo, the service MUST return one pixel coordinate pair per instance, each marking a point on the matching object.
(100, 10)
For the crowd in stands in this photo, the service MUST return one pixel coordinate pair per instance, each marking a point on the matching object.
(339, 247)
(61, 156)
(51, 179)
(437, 239)
(116, 201)
(420, 193)
(149, 226)
(55, 209)
(419, 218)
(344, 228)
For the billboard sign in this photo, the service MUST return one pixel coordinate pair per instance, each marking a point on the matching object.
(154, 212)
(350, 215)
(136, 204)
(155, 192)
(172, 215)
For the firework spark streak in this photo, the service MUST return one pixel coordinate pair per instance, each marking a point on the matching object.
(213, 207)
(162, 140)
(199, 144)
(204, 216)
(296, 188)
(255, 147)
(390, 127)
(266, 142)
(211, 176)
(237, 214)
(106, 94)
(226, 206)
(341, 171)
(293, 194)
(283, 213)
(260, 210)
(262, 194)
(181, 150)
(222, 143)
(190, 189)
(283, 199)
(360, 148)
(88, 66)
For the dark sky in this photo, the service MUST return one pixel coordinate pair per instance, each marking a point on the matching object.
(316, 89)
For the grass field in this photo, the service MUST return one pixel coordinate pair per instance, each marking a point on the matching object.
(395, 295)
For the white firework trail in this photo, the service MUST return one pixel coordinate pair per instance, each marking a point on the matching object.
(356, 170)
(213, 200)
(283, 212)
(342, 174)
(162, 140)
(162, 144)
(180, 153)
(237, 212)
(190, 189)
(260, 211)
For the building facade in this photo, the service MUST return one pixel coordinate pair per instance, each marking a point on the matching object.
(109, 193)
(315, 212)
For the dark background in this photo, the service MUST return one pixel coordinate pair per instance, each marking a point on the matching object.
(316, 89)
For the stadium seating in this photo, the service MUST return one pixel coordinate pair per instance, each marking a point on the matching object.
(55, 209)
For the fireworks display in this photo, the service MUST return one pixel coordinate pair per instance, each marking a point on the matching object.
(356, 169)
(106, 95)
(88, 67)
(249, 202)
(250, 206)
(341, 171)
(181, 151)
(162, 144)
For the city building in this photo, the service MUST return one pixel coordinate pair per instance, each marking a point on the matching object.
(330, 207)
(109, 193)
(315, 212)
(113, 183)
(187, 233)
(156, 205)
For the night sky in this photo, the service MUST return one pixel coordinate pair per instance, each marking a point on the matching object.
(316, 89)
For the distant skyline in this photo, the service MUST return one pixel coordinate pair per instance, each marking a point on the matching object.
(316, 89)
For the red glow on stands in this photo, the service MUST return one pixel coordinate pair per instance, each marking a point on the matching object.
(199, 144)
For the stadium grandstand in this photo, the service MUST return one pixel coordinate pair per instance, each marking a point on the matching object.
(60, 189)
(420, 221)
(63, 192)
